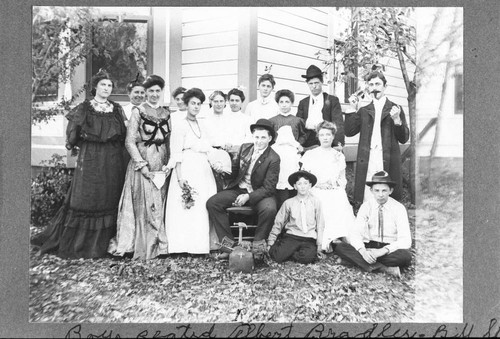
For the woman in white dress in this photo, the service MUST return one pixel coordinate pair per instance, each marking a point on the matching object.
(187, 223)
(328, 165)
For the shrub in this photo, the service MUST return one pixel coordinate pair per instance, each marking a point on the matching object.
(48, 190)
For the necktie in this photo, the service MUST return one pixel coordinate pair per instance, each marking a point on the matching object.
(381, 223)
(303, 216)
(255, 156)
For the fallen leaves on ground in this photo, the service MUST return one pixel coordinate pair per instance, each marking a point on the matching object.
(201, 289)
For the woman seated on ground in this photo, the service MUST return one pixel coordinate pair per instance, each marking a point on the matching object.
(84, 225)
(191, 183)
(141, 228)
(328, 165)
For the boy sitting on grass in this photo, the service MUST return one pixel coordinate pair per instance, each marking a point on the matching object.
(381, 238)
(303, 222)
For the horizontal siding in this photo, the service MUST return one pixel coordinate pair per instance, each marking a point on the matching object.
(210, 54)
(201, 14)
(286, 45)
(281, 16)
(318, 15)
(278, 29)
(289, 39)
(274, 57)
(210, 40)
(210, 48)
(211, 82)
(208, 27)
(203, 69)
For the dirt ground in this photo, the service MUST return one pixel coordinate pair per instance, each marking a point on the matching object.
(200, 289)
(439, 243)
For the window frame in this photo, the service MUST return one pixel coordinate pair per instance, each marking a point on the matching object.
(148, 19)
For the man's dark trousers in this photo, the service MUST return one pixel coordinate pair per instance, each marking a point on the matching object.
(399, 257)
(217, 204)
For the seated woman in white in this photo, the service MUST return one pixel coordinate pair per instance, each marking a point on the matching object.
(328, 165)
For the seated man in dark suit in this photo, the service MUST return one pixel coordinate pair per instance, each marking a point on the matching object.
(254, 185)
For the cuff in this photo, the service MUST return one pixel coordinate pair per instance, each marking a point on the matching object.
(139, 164)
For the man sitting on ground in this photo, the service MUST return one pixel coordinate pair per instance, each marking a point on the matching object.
(303, 222)
(381, 237)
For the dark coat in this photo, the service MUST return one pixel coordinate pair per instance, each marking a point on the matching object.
(362, 122)
(265, 172)
(331, 112)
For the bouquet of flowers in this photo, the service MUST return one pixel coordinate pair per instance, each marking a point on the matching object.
(188, 194)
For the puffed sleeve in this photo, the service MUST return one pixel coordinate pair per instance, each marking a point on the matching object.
(132, 138)
(176, 142)
(76, 118)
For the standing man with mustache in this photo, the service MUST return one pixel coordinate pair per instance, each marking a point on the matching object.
(382, 127)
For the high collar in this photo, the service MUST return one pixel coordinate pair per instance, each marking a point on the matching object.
(152, 106)
(266, 100)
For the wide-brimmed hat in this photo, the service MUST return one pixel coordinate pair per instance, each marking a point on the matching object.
(292, 179)
(312, 72)
(266, 124)
(381, 177)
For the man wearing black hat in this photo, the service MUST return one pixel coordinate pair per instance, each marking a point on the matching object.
(381, 237)
(254, 184)
(303, 221)
(318, 107)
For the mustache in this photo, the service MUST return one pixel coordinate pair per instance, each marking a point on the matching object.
(375, 91)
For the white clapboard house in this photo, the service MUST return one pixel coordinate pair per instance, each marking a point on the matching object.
(226, 47)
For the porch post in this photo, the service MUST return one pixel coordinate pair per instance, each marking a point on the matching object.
(247, 53)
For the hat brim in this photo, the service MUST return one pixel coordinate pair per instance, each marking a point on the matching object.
(268, 128)
(387, 182)
(312, 75)
(292, 179)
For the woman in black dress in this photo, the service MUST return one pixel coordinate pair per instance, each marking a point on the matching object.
(86, 222)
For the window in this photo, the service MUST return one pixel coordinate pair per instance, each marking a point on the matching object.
(121, 47)
(459, 90)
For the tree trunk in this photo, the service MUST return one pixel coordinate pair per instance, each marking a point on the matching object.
(413, 170)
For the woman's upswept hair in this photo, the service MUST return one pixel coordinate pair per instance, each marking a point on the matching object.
(193, 92)
(101, 75)
(213, 95)
(327, 125)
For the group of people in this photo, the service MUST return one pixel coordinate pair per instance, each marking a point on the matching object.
(150, 182)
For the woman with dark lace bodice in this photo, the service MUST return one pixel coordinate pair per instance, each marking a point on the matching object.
(86, 222)
(141, 228)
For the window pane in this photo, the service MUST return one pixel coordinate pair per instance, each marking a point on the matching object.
(122, 51)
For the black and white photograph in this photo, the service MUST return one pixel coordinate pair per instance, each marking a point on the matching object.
(283, 171)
